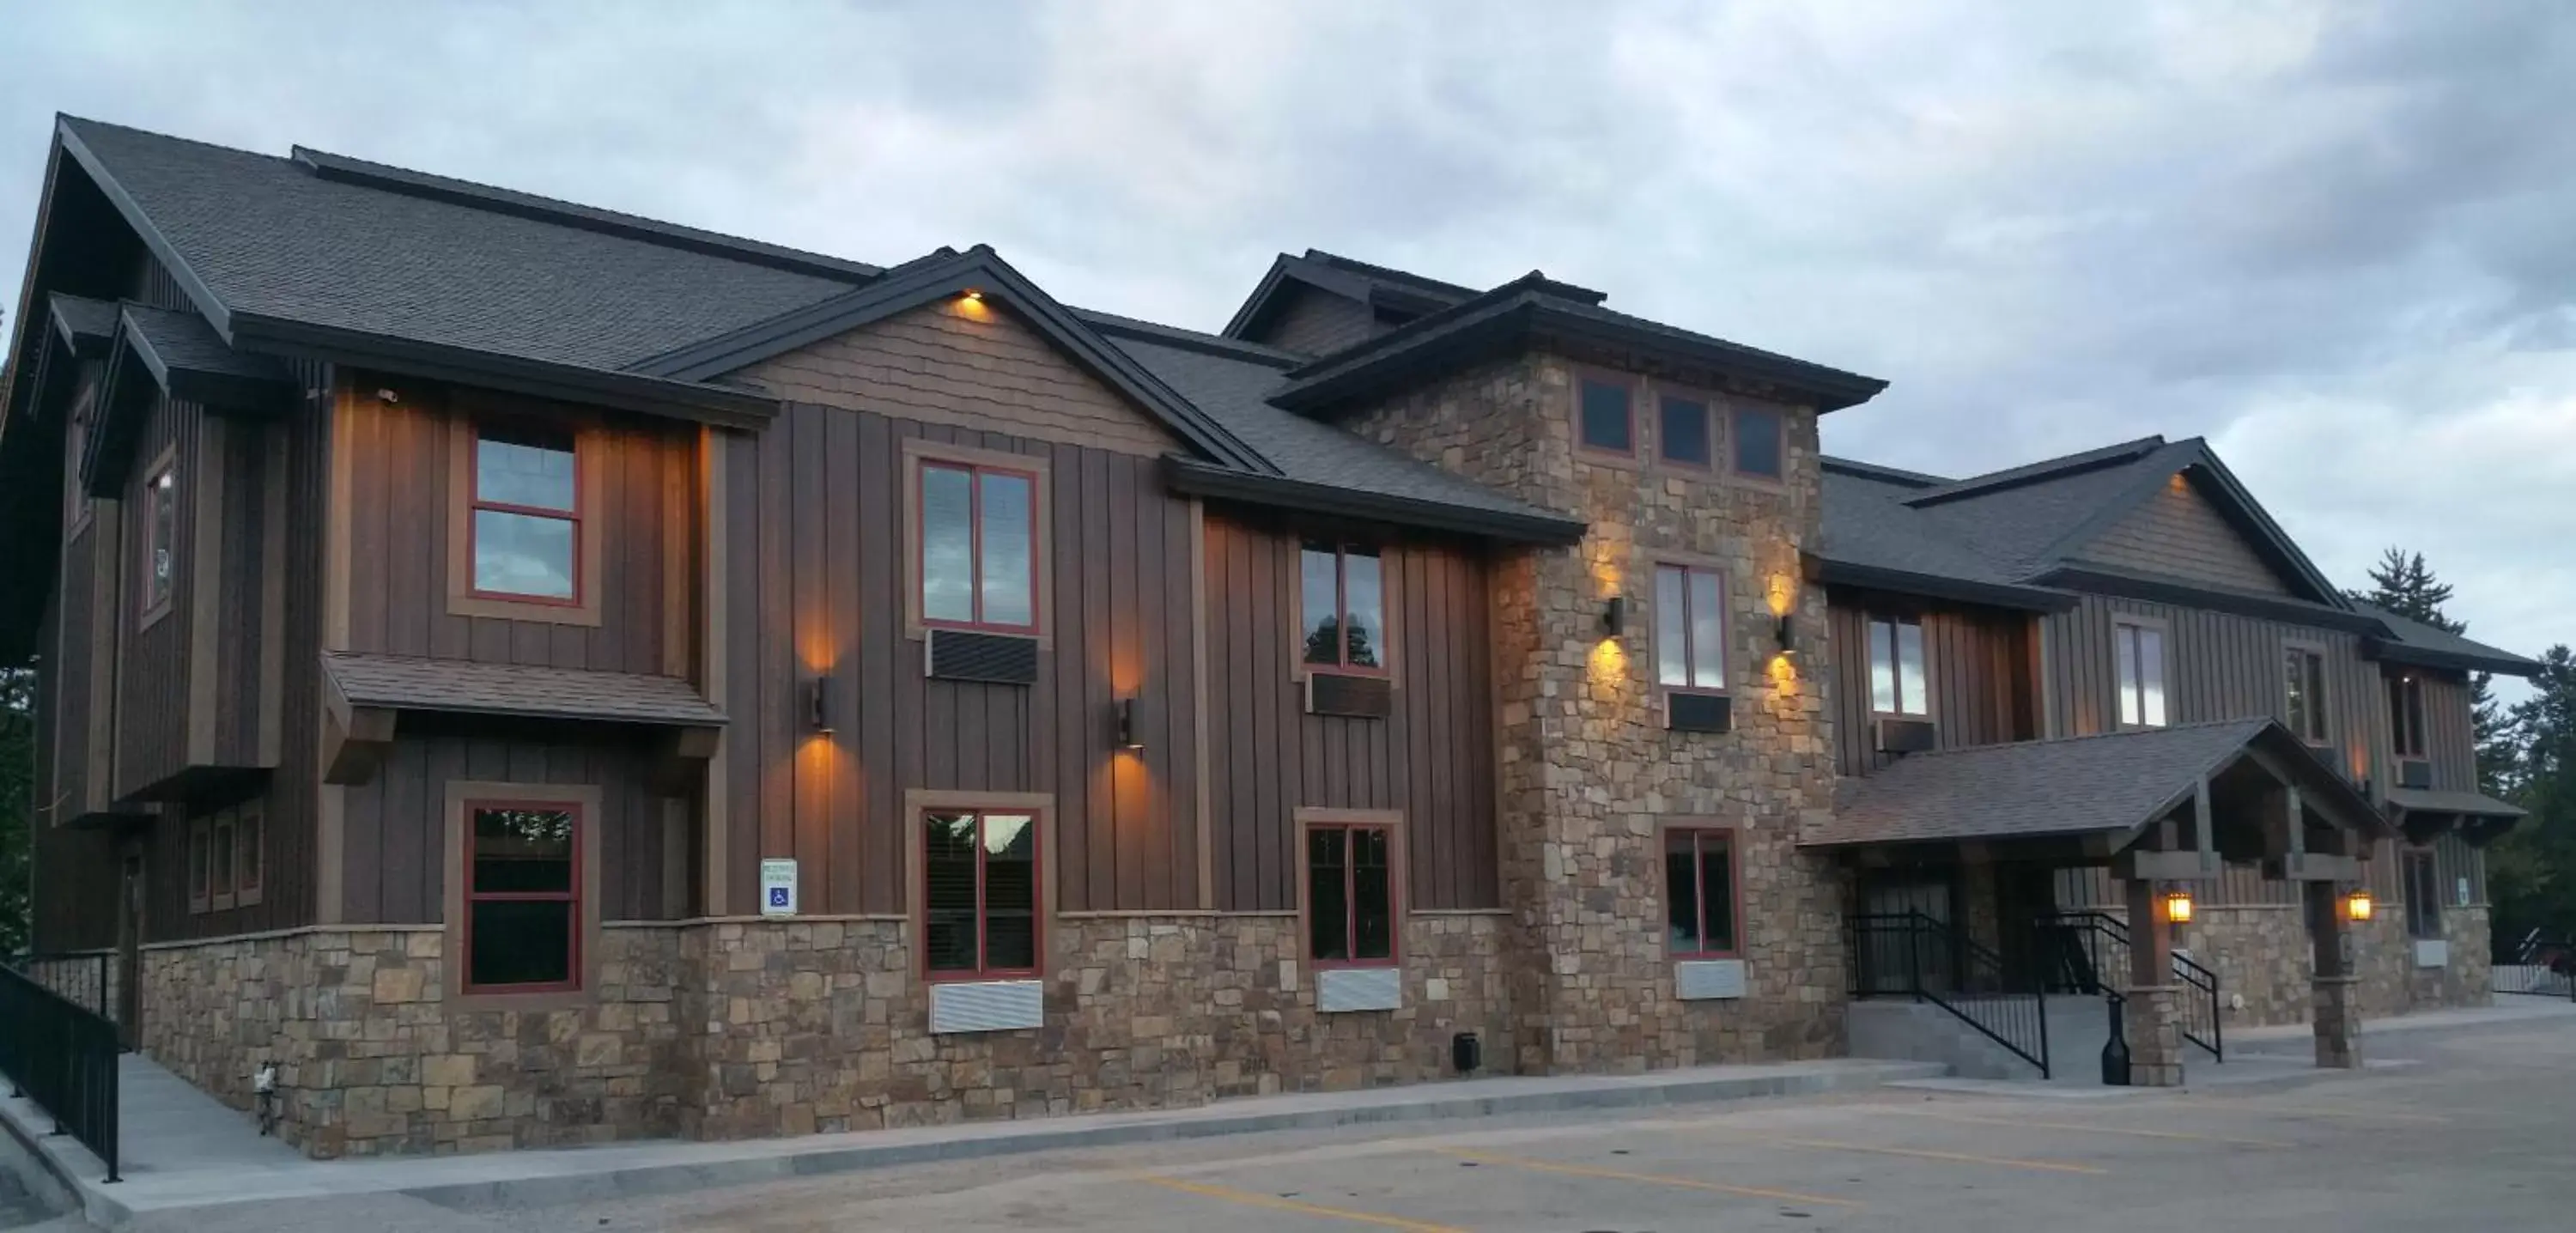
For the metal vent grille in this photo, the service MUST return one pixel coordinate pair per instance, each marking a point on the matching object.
(987, 1006)
(1341, 989)
(1701, 980)
(965, 655)
(1363, 697)
(1907, 736)
(1699, 712)
(2414, 773)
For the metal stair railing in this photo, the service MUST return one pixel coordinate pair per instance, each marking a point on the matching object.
(62, 1055)
(1909, 954)
(2089, 953)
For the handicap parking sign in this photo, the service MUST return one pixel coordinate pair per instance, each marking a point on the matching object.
(778, 887)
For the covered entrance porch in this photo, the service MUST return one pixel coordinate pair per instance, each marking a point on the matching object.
(1961, 864)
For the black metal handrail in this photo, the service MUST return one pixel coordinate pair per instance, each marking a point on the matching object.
(62, 1055)
(1910, 954)
(2090, 954)
(83, 978)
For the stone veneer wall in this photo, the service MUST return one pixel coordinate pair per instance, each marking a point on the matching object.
(2263, 953)
(743, 1029)
(1587, 769)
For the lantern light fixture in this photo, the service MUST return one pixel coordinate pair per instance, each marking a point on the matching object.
(2357, 905)
(2178, 906)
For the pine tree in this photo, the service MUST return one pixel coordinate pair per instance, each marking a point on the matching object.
(2403, 584)
(2531, 872)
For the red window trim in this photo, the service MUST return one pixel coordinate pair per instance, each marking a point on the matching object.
(1037, 899)
(1689, 659)
(1342, 664)
(2406, 718)
(975, 473)
(474, 502)
(1896, 664)
(580, 833)
(155, 605)
(1708, 415)
(1779, 474)
(1581, 446)
(1351, 899)
(1734, 893)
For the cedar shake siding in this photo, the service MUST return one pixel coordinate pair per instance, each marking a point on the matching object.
(2177, 533)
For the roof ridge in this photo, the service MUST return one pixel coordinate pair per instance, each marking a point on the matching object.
(2042, 470)
(1881, 471)
(1356, 266)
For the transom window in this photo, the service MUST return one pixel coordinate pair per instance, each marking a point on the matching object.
(1757, 442)
(1350, 894)
(526, 515)
(2406, 715)
(1699, 893)
(1343, 595)
(1690, 628)
(1896, 676)
(1685, 432)
(979, 893)
(978, 546)
(2139, 651)
(522, 896)
(1605, 417)
(2305, 670)
(160, 537)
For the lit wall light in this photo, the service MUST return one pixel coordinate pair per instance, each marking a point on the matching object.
(818, 704)
(1614, 616)
(974, 297)
(2357, 905)
(1788, 633)
(2178, 906)
(1125, 713)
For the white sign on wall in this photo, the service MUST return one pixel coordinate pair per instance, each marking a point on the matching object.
(2464, 892)
(778, 886)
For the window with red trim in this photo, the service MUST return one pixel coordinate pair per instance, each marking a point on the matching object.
(522, 896)
(979, 531)
(1690, 628)
(979, 894)
(1605, 416)
(2406, 715)
(1350, 894)
(160, 537)
(526, 516)
(1896, 667)
(1343, 589)
(1699, 893)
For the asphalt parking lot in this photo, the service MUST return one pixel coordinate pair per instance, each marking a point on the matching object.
(2471, 1133)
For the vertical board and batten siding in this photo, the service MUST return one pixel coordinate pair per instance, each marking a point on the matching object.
(73, 895)
(1318, 323)
(1976, 668)
(83, 636)
(2178, 532)
(1432, 758)
(2450, 728)
(152, 664)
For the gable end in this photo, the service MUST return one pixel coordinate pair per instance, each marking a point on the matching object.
(2179, 533)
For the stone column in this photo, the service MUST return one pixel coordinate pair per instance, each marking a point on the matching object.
(2153, 1020)
(2338, 991)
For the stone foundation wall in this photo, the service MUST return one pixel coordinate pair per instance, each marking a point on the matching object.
(2262, 953)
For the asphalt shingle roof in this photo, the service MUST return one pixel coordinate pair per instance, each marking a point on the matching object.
(2072, 786)
(2417, 634)
(2424, 800)
(184, 340)
(406, 683)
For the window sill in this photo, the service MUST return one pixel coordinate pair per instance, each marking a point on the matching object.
(533, 1000)
(531, 609)
(152, 615)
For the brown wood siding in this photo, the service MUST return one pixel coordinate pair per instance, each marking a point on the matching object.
(395, 858)
(1431, 759)
(250, 448)
(152, 664)
(77, 644)
(814, 556)
(2450, 730)
(2178, 532)
(1318, 322)
(402, 458)
(1977, 670)
(153, 285)
(963, 367)
(73, 892)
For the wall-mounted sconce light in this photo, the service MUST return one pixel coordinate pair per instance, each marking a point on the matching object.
(974, 296)
(1614, 616)
(388, 395)
(2178, 906)
(818, 704)
(1126, 716)
(2357, 905)
(1788, 633)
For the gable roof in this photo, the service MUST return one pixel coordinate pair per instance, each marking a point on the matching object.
(1375, 286)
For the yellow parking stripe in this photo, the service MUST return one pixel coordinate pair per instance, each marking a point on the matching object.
(1659, 1179)
(2381, 1115)
(2103, 1130)
(1277, 1204)
(2009, 1162)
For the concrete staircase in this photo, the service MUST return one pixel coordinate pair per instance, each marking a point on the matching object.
(1902, 1029)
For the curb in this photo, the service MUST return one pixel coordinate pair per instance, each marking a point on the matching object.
(54, 1179)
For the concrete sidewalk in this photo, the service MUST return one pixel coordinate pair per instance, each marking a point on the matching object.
(2508, 1008)
(201, 1154)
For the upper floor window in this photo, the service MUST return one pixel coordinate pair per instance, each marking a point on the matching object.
(979, 893)
(1343, 594)
(523, 911)
(1350, 893)
(1690, 628)
(160, 536)
(1896, 673)
(2305, 672)
(1684, 432)
(1758, 442)
(2406, 716)
(979, 533)
(1605, 416)
(527, 515)
(2140, 653)
(1699, 893)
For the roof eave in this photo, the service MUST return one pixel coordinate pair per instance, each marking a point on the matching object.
(2159, 588)
(1200, 479)
(2394, 651)
(1831, 572)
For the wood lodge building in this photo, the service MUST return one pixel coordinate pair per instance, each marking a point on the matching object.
(543, 675)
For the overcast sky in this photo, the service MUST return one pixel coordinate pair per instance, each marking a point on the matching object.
(2337, 239)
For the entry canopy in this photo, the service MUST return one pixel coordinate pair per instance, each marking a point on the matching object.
(2425, 813)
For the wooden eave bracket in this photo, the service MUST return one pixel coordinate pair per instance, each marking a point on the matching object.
(680, 758)
(355, 739)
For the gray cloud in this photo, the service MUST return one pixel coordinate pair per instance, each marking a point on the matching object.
(2340, 239)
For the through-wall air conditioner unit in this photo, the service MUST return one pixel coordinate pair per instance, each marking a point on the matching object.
(2414, 773)
(1349, 694)
(1699, 712)
(973, 655)
(1905, 736)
